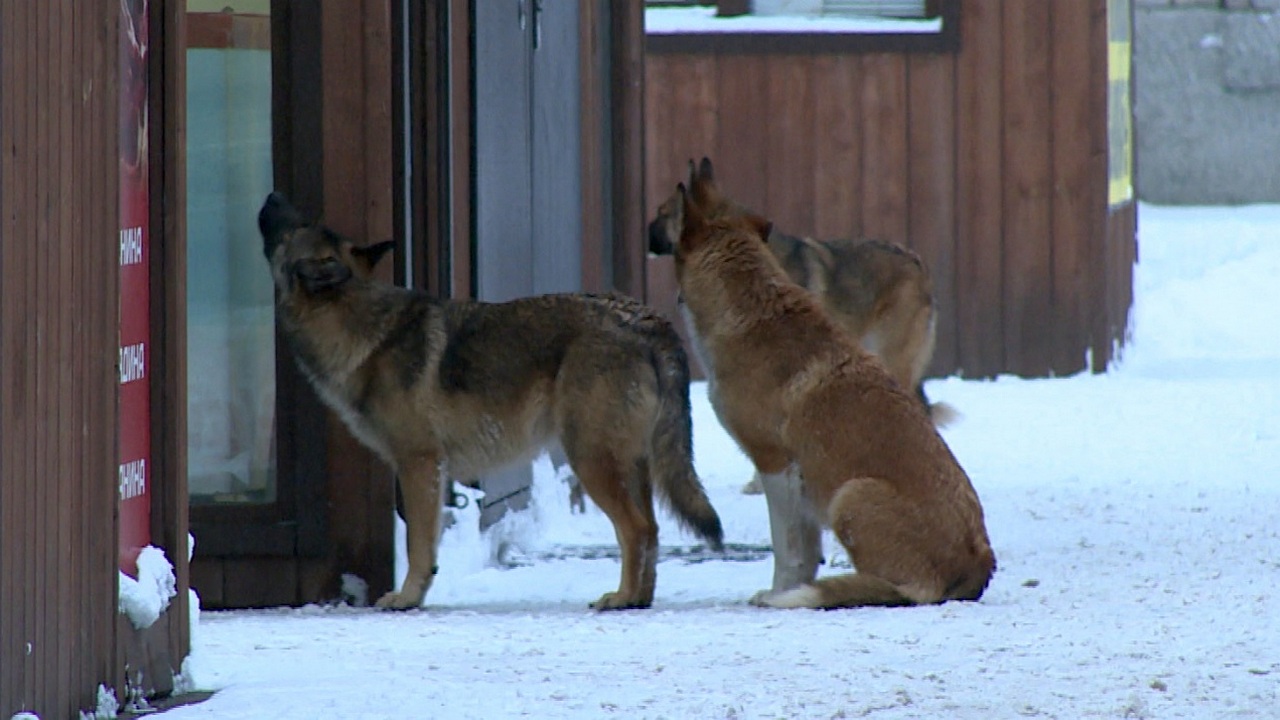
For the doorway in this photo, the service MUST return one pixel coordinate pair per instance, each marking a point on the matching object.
(528, 182)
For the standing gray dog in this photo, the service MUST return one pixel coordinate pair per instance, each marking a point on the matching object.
(459, 388)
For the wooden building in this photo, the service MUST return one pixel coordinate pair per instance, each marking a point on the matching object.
(143, 395)
(73, 320)
(144, 398)
(988, 147)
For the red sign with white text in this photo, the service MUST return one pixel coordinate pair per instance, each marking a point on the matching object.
(135, 291)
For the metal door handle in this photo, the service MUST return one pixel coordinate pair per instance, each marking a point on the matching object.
(537, 23)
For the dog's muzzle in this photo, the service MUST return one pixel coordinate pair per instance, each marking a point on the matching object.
(659, 243)
(319, 275)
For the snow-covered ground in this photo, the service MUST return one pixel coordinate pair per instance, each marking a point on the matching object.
(1135, 515)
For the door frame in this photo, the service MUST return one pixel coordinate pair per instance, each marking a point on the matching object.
(150, 656)
(332, 154)
(348, 78)
(611, 60)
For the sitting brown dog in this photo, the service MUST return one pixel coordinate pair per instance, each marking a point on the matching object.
(871, 465)
(877, 291)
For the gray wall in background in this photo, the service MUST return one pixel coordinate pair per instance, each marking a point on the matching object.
(1207, 101)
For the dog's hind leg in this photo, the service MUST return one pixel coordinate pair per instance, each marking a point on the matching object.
(577, 498)
(642, 494)
(614, 486)
(606, 404)
(892, 544)
(420, 485)
(879, 530)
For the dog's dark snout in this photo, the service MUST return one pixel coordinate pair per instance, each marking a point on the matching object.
(276, 217)
(659, 244)
(324, 273)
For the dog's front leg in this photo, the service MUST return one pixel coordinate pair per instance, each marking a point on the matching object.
(794, 529)
(420, 484)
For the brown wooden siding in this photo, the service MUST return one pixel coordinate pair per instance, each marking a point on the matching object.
(460, 104)
(991, 162)
(59, 253)
(627, 117)
(593, 109)
(356, 74)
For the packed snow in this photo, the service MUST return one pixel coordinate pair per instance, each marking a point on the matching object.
(1135, 516)
(142, 600)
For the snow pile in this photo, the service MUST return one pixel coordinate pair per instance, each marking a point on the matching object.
(143, 600)
(1206, 294)
(355, 591)
(184, 680)
(108, 706)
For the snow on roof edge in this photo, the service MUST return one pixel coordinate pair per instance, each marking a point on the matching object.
(674, 21)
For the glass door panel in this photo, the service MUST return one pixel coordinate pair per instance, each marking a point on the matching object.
(230, 323)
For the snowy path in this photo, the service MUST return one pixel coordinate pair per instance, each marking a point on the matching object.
(1136, 518)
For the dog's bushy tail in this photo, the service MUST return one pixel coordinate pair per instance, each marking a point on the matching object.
(671, 445)
(860, 589)
(840, 591)
(942, 414)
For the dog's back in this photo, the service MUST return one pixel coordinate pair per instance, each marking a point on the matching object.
(878, 292)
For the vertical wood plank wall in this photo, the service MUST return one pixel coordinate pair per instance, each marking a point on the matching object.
(59, 254)
(358, 167)
(990, 162)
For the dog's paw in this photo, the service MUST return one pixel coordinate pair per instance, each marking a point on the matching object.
(616, 601)
(771, 598)
(753, 486)
(399, 601)
(800, 596)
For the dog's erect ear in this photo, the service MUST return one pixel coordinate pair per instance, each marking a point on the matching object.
(695, 220)
(703, 186)
(371, 254)
(689, 209)
(277, 217)
(705, 170)
(759, 225)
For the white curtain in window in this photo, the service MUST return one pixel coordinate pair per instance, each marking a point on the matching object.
(842, 8)
(881, 8)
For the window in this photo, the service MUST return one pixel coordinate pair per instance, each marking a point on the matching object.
(230, 322)
(814, 26)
